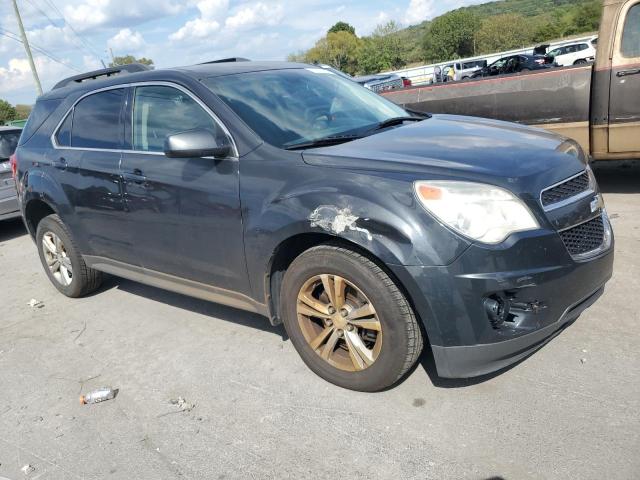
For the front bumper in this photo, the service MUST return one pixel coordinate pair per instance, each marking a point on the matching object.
(545, 290)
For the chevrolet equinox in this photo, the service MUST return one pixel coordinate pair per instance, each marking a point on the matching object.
(290, 191)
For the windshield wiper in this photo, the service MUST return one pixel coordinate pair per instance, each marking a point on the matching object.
(323, 142)
(395, 121)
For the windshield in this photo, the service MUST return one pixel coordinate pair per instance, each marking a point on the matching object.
(8, 143)
(288, 107)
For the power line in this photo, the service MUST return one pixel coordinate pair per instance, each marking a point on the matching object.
(80, 37)
(38, 49)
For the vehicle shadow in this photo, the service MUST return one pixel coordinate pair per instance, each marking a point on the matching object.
(618, 177)
(202, 307)
(10, 229)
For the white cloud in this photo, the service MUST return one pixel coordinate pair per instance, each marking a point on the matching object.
(418, 11)
(17, 74)
(214, 18)
(126, 41)
(212, 13)
(119, 13)
(257, 14)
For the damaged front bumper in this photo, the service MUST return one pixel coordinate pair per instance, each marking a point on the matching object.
(540, 287)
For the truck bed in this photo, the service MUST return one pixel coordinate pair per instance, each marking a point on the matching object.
(557, 99)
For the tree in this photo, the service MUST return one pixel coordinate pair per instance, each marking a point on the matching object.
(503, 32)
(342, 27)
(23, 111)
(383, 50)
(587, 18)
(451, 36)
(129, 59)
(7, 112)
(338, 49)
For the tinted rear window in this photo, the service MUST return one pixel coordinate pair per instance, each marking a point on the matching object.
(97, 121)
(8, 143)
(42, 111)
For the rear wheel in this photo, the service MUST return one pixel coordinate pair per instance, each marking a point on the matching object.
(62, 261)
(348, 320)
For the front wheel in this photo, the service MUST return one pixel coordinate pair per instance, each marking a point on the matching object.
(348, 320)
(580, 62)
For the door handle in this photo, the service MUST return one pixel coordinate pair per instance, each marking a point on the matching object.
(626, 73)
(135, 177)
(60, 163)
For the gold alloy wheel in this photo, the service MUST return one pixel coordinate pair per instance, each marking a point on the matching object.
(339, 322)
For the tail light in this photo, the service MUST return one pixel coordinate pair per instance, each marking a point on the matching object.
(13, 161)
(406, 82)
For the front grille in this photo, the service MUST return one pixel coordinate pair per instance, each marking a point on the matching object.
(584, 238)
(566, 190)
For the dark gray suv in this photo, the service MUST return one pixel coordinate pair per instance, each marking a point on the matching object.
(286, 190)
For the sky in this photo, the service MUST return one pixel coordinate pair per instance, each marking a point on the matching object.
(73, 36)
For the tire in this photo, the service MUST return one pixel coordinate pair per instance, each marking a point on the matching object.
(580, 62)
(75, 282)
(398, 338)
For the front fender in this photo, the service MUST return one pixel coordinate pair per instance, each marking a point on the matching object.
(376, 211)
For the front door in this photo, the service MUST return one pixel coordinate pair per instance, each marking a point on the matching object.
(624, 105)
(184, 212)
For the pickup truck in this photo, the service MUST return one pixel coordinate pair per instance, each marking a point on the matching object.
(597, 105)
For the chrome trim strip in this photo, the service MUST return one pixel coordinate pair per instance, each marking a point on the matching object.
(54, 141)
(569, 200)
(176, 284)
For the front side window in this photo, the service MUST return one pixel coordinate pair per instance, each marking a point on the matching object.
(159, 111)
(97, 121)
(294, 106)
(631, 33)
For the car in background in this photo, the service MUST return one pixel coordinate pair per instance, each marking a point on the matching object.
(17, 123)
(383, 82)
(515, 64)
(9, 137)
(462, 70)
(574, 54)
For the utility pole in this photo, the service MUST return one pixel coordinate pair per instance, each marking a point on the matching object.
(27, 48)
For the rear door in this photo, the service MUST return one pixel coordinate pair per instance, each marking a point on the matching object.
(86, 162)
(624, 104)
(184, 212)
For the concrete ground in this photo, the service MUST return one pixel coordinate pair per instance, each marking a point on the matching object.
(253, 409)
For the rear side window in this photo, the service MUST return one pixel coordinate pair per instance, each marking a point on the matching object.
(97, 121)
(63, 136)
(42, 110)
(631, 33)
(159, 111)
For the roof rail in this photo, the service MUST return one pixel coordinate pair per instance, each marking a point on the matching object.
(105, 72)
(227, 60)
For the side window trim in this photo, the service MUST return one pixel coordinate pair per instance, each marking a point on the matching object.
(129, 87)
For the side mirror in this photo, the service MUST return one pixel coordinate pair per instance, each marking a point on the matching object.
(195, 144)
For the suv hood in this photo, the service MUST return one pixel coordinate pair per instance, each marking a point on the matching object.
(520, 158)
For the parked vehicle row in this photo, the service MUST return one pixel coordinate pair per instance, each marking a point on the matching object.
(290, 191)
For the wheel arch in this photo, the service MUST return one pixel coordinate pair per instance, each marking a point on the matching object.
(291, 248)
(34, 211)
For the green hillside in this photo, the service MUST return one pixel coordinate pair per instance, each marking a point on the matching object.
(464, 32)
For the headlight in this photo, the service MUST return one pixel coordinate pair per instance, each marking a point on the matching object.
(482, 212)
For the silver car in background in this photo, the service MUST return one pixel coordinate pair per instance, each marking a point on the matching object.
(9, 137)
